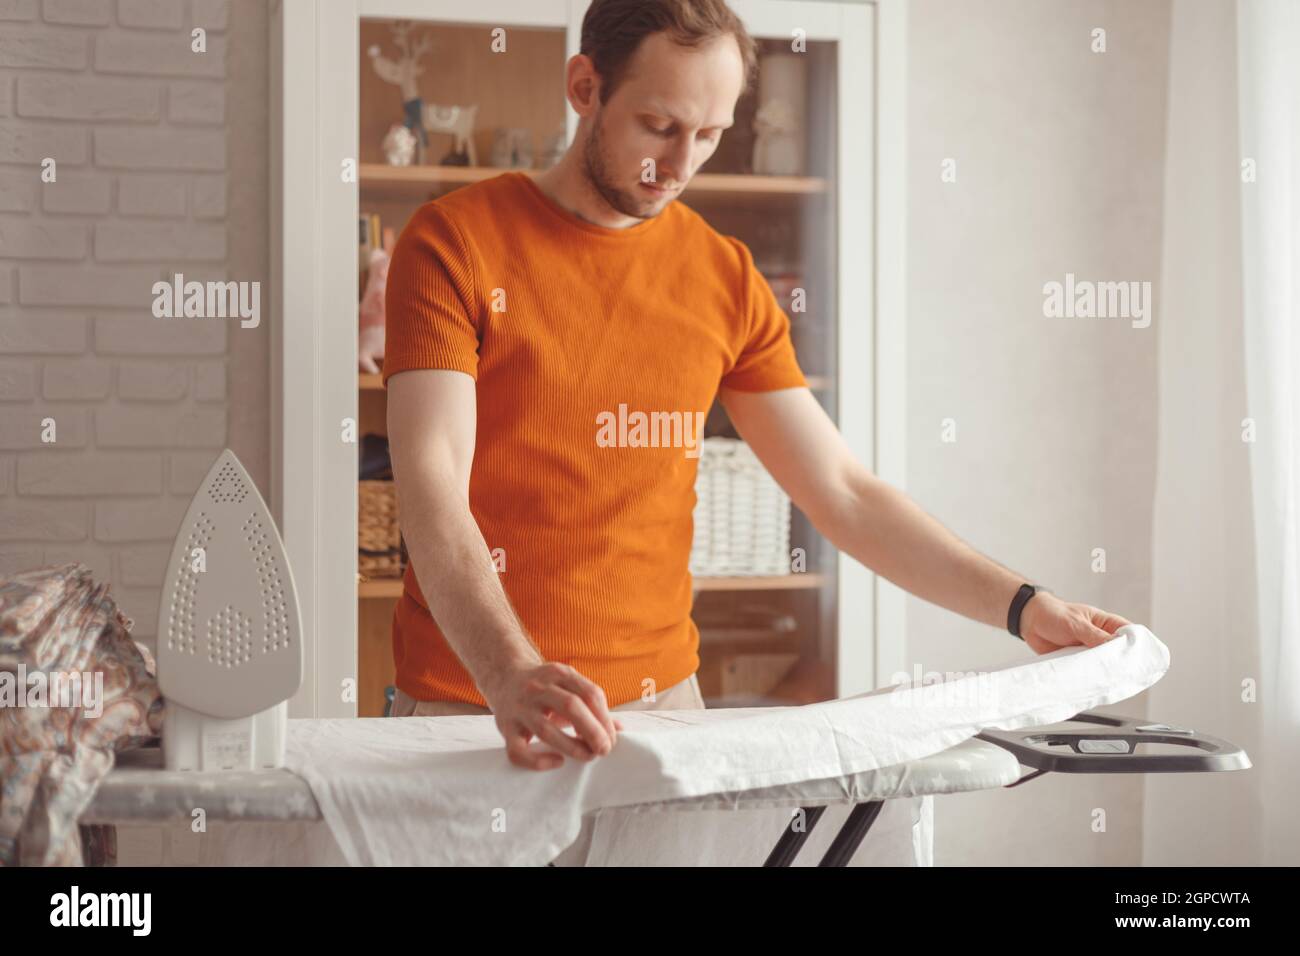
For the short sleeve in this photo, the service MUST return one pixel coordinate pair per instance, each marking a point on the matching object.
(766, 360)
(430, 317)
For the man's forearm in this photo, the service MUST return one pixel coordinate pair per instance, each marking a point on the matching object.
(460, 584)
(890, 533)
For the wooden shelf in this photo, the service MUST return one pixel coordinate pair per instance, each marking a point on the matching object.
(771, 582)
(413, 180)
(379, 588)
(387, 588)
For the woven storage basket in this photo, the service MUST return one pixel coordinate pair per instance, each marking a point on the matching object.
(742, 516)
(379, 541)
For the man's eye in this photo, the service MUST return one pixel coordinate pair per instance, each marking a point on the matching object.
(661, 132)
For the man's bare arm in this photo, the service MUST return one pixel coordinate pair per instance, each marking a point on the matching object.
(432, 419)
(886, 530)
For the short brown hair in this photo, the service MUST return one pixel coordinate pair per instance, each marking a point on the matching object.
(613, 29)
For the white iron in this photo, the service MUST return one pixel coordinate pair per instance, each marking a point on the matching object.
(230, 651)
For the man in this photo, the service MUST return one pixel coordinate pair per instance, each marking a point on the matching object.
(521, 314)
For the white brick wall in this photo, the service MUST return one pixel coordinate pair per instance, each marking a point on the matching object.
(153, 195)
(75, 380)
(138, 126)
(151, 14)
(84, 12)
(81, 98)
(136, 122)
(17, 381)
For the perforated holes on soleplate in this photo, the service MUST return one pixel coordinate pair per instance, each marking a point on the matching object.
(230, 638)
(275, 633)
(180, 614)
(227, 486)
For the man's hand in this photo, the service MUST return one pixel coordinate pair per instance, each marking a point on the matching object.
(540, 700)
(1047, 624)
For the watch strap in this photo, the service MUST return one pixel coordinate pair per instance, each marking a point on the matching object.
(1018, 604)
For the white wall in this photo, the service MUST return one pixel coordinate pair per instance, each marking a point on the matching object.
(163, 166)
(1060, 159)
(161, 159)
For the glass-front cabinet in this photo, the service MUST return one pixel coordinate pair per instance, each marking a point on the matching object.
(442, 102)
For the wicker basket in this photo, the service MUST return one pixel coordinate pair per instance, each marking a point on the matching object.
(742, 516)
(379, 541)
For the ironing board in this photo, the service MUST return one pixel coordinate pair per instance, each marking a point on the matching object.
(139, 791)
(1044, 750)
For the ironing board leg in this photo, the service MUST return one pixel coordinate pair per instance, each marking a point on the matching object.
(98, 844)
(849, 838)
(792, 841)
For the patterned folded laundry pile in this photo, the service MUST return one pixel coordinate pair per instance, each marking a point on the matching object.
(74, 690)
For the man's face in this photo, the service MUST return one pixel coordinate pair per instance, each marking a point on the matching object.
(670, 109)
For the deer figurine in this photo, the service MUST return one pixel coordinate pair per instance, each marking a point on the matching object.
(402, 73)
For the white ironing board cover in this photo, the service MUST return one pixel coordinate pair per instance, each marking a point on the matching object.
(970, 765)
(440, 790)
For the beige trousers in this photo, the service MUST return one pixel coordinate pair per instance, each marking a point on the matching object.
(683, 696)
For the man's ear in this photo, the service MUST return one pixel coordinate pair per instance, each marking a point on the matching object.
(582, 85)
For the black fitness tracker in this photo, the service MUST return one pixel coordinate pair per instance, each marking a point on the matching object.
(1018, 604)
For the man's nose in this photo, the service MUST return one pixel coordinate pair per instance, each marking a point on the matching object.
(675, 166)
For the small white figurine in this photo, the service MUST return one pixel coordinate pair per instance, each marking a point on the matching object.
(512, 148)
(777, 147)
(459, 122)
(781, 141)
(399, 146)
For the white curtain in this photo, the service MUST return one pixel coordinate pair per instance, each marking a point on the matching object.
(1226, 571)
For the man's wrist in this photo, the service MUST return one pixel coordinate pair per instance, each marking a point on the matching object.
(1018, 613)
(521, 656)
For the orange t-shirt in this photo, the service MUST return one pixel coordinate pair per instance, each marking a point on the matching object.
(576, 335)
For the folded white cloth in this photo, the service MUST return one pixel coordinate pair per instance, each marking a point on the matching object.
(440, 790)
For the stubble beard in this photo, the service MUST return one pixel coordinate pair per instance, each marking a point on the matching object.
(597, 170)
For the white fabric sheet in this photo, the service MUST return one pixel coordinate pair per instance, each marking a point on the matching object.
(902, 835)
(741, 828)
(440, 791)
